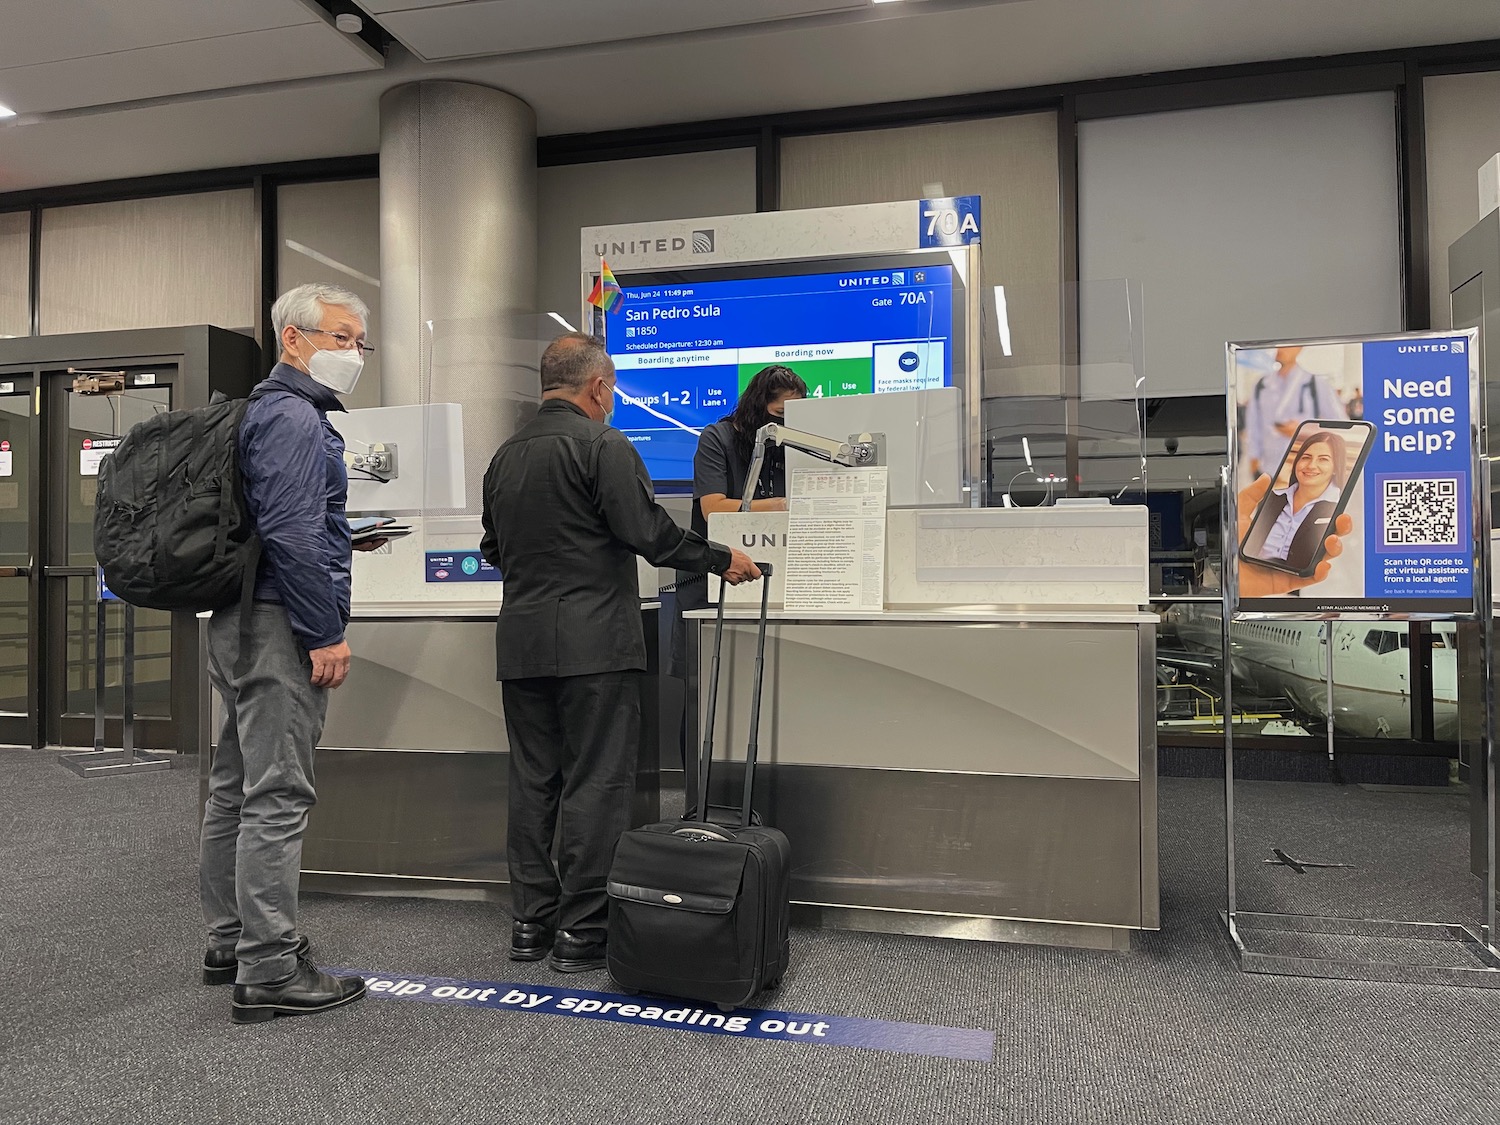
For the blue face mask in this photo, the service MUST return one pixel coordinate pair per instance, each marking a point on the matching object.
(609, 414)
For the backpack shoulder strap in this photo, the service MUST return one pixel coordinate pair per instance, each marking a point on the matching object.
(247, 606)
(253, 547)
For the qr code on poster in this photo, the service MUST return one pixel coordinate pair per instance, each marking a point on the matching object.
(1421, 513)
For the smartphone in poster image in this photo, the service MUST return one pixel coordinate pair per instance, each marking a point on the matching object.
(1318, 476)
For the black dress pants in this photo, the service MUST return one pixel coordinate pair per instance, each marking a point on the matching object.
(574, 741)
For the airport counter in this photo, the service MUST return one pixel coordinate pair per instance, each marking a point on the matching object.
(976, 760)
(412, 767)
(972, 773)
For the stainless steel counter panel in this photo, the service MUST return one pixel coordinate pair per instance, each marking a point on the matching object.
(413, 814)
(1054, 700)
(411, 770)
(1000, 771)
(419, 684)
(949, 843)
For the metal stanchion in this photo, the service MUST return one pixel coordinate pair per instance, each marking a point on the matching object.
(1228, 520)
(1485, 598)
(100, 761)
(101, 626)
(1328, 640)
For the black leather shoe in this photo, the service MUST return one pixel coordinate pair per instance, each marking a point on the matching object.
(220, 965)
(529, 941)
(306, 991)
(572, 953)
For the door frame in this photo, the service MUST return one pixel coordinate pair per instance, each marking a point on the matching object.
(25, 729)
(59, 726)
(208, 360)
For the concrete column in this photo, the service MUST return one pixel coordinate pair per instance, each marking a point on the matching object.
(458, 258)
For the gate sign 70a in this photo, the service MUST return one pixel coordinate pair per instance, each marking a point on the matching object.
(953, 221)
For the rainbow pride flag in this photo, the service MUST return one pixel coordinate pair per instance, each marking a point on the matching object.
(606, 294)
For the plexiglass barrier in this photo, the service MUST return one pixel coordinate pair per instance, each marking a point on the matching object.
(479, 383)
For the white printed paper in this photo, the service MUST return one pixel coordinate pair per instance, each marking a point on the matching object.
(835, 552)
(97, 450)
(5, 464)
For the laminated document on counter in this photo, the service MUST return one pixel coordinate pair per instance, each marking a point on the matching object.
(835, 550)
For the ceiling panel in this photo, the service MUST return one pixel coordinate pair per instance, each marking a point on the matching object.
(223, 62)
(934, 52)
(937, 50)
(338, 118)
(39, 31)
(492, 27)
(377, 7)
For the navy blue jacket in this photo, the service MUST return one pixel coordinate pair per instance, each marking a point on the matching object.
(296, 486)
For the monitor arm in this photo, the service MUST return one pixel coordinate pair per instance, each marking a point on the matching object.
(851, 453)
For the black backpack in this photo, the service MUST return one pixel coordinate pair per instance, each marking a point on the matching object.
(170, 526)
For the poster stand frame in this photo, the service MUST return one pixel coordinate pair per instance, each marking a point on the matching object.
(1480, 949)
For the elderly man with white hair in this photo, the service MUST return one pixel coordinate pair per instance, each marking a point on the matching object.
(275, 694)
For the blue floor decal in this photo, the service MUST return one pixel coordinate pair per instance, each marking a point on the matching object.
(644, 1011)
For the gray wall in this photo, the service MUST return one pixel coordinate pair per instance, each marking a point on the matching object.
(1269, 221)
(1463, 131)
(572, 196)
(15, 248)
(150, 263)
(1012, 163)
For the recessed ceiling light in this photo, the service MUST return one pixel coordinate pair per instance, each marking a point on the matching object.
(6, 111)
(884, 1)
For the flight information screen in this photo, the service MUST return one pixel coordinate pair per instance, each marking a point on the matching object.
(683, 351)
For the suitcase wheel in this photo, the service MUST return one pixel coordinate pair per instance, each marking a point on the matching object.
(770, 984)
(725, 1007)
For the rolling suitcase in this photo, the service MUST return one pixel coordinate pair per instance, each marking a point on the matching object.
(699, 909)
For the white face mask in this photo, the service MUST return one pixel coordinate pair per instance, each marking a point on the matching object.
(337, 369)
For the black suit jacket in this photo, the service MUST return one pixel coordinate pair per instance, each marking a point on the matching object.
(567, 507)
(1304, 546)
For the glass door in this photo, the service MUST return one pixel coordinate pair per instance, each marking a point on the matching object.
(18, 673)
(83, 428)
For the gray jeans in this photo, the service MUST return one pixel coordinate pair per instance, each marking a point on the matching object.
(259, 791)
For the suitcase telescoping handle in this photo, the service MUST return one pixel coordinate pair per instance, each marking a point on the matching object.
(753, 748)
(705, 759)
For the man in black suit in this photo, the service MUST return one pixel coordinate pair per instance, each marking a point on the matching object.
(567, 508)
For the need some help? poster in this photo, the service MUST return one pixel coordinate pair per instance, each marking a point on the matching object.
(1353, 471)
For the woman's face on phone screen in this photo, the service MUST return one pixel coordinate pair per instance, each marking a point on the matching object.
(1315, 469)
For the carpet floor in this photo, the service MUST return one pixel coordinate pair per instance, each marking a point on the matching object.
(100, 940)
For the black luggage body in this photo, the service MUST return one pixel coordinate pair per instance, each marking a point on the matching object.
(698, 909)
